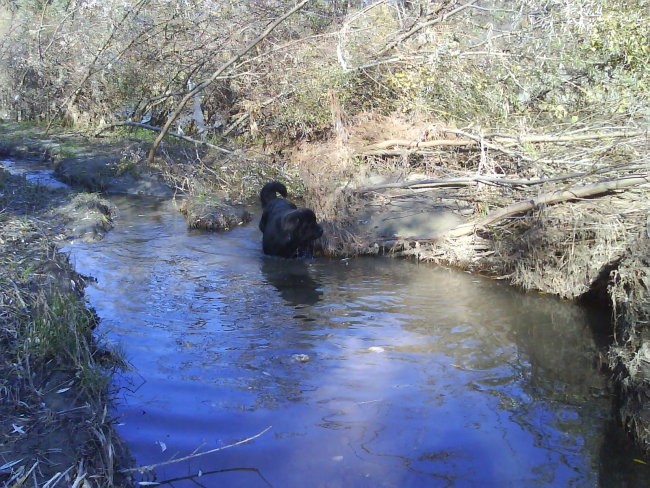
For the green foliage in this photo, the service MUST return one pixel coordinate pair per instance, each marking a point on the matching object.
(126, 165)
(535, 60)
(60, 327)
(621, 37)
(308, 111)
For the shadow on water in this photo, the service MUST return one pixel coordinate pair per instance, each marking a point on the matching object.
(293, 279)
(371, 372)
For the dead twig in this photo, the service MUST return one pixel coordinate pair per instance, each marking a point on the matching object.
(242, 118)
(205, 83)
(501, 142)
(429, 21)
(492, 180)
(151, 467)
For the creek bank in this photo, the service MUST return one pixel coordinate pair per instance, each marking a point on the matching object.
(526, 209)
(590, 250)
(109, 170)
(54, 376)
(54, 422)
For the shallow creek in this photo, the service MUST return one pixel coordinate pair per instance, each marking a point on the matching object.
(369, 372)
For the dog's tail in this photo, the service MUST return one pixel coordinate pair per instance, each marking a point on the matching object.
(270, 190)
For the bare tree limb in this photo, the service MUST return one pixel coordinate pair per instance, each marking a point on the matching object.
(427, 23)
(242, 118)
(201, 86)
(116, 27)
(158, 129)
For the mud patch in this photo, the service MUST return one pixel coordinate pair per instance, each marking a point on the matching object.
(110, 171)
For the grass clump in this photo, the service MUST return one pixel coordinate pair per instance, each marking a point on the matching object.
(210, 212)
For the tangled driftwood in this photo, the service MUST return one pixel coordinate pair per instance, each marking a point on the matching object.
(550, 198)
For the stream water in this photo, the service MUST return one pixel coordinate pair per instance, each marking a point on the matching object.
(366, 372)
(369, 372)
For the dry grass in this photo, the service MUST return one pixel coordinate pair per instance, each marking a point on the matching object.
(595, 246)
(53, 376)
(629, 358)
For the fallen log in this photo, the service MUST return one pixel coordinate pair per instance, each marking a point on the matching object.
(493, 180)
(466, 181)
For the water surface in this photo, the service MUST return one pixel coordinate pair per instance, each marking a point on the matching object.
(369, 372)
(36, 172)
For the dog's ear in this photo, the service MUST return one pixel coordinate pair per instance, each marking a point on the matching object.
(292, 220)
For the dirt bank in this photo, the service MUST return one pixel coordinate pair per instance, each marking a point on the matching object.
(54, 377)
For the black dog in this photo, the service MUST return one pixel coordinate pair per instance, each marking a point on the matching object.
(288, 231)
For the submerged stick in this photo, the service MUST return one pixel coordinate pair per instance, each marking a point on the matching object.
(151, 467)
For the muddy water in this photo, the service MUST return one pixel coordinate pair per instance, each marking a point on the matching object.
(367, 372)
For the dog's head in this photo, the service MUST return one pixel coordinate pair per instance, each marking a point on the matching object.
(302, 226)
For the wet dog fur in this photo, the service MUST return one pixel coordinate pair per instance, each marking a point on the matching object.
(288, 231)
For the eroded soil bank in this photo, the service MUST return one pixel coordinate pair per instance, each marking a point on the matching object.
(566, 214)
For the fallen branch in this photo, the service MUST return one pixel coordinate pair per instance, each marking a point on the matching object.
(151, 467)
(587, 191)
(499, 142)
(429, 21)
(158, 129)
(464, 181)
(492, 180)
(242, 118)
